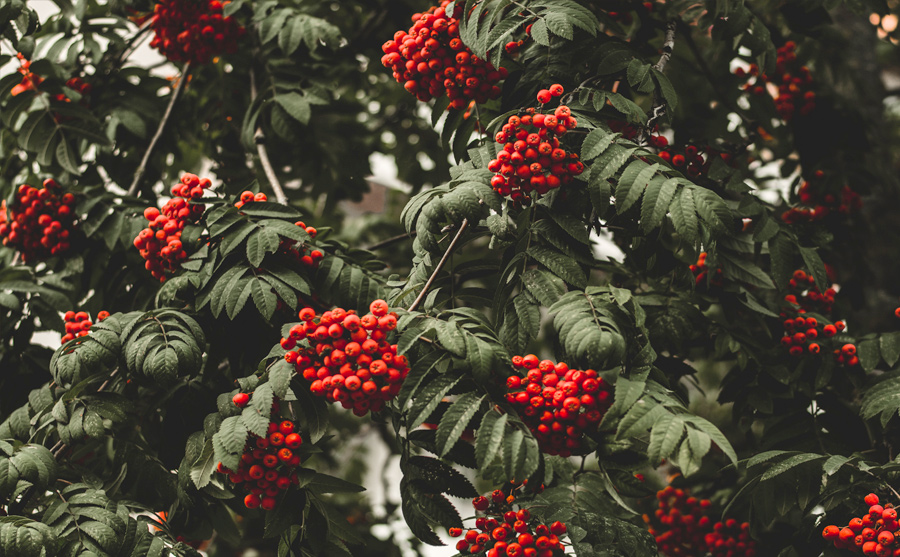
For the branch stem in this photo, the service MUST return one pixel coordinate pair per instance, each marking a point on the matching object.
(159, 130)
(260, 140)
(390, 241)
(659, 103)
(440, 265)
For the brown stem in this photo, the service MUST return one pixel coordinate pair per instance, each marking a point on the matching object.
(159, 130)
(260, 140)
(440, 265)
(659, 103)
(390, 241)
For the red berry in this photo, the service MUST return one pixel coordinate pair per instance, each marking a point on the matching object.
(240, 400)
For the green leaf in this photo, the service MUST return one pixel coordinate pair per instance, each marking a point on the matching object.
(203, 468)
(490, 436)
(632, 183)
(296, 105)
(558, 263)
(546, 287)
(890, 347)
(428, 398)
(455, 420)
(539, 33)
(789, 463)
(261, 242)
(657, 198)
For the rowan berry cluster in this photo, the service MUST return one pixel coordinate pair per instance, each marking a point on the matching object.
(807, 334)
(306, 257)
(40, 221)
(874, 533)
(532, 158)
(504, 531)
(430, 60)
(816, 205)
(30, 80)
(193, 30)
(250, 197)
(78, 324)
(268, 464)
(702, 274)
(804, 296)
(683, 528)
(347, 358)
(792, 81)
(804, 334)
(160, 243)
(693, 160)
(559, 405)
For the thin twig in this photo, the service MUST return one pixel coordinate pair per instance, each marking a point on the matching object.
(131, 45)
(440, 265)
(668, 46)
(390, 241)
(16, 259)
(159, 130)
(260, 140)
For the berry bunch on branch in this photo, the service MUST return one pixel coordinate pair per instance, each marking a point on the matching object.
(792, 83)
(702, 273)
(194, 31)
(532, 158)
(683, 527)
(78, 324)
(559, 405)
(874, 533)
(160, 243)
(431, 61)
(817, 204)
(347, 358)
(268, 465)
(40, 221)
(507, 529)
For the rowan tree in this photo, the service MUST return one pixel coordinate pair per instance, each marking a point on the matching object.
(638, 298)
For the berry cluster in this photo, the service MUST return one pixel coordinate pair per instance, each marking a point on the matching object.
(874, 533)
(79, 324)
(805, 296)
(250, 197)
(160, 243)
(693, 160)
(815, 206)
(558, 404)
(682, 528)
(76, 84)
(288, 246)
(346, 358)
(793, 83)
(431, 60)
(30, 80)
(193, 30)
(504, 531)
(532, 158)
(40, 221)
(801, 333)
(267, 466)
(702, 274)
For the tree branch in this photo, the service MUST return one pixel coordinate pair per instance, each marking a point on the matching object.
(159, 130)
(260, 140)
(659, 103)
(440, 265)
(390, 241)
